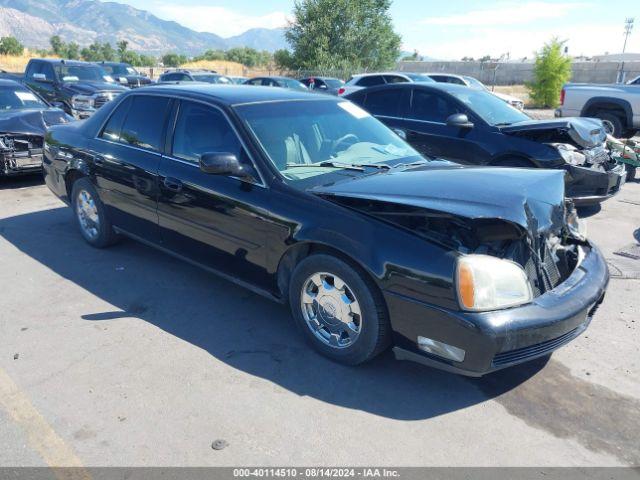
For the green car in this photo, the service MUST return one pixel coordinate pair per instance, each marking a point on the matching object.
(627, 152)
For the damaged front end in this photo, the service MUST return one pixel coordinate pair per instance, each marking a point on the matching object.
(593, 175)
(20, 153)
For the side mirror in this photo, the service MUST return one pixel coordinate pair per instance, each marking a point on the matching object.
(222, 163)
(41, 77)
(459, 120)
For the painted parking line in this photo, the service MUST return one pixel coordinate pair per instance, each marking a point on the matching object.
(40, 436)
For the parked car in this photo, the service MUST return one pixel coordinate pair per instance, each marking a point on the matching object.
(472, 126)
(364, 80)
(24, 118)
(282, 82)
(634, 81)
(204, 76)
(311, 201)
(125, 74)
(323, 84)
(79, 88)
(471, 82)
(238, 80)
(618, 106)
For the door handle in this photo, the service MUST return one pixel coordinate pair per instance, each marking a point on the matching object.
(172, 184)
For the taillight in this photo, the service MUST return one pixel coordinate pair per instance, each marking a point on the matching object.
(341, 90)
(562, 92)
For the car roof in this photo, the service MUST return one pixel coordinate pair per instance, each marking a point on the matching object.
(62, 61)
(359, 75)
(231, 94)
(443, 74)
(6, 82)
(446, 87)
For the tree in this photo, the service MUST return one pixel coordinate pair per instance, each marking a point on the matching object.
(122, 49)
(343, 34)
(173, 60)
(552, 70)
(57, 45)
(414, 57)
(107, 52)
(72, 51)
(130, 57)
(10, 46)
(249, 57)
(211, 55)
(283, 59)
(146, 61)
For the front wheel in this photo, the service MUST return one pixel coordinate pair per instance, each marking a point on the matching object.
(91, 215)
(339, 310)
(631, 173)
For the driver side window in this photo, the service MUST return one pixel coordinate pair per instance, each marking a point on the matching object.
(431, 107)
(202, 129)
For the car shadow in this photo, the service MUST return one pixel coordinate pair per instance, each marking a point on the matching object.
(21, 181)
(244, 330)
(589, 210)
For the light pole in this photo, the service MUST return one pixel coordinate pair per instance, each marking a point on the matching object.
(628, 26)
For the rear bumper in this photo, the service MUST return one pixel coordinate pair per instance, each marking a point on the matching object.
(586, 186)
(495, 340)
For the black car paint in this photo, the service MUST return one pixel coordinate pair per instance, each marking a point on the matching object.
(253, 232)
(486, 144)
(59, 93)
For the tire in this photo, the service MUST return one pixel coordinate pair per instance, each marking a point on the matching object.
(631, 173)
(331, 339)
(612, 124)
(92, 221)
(513, 162)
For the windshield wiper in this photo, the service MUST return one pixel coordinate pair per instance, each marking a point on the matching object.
(412, 164)
(325, 165)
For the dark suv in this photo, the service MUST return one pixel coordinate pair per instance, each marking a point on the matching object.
(125, 74)
(80, 88)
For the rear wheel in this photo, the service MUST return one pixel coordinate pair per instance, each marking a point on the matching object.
(338, 309)
(91, 215)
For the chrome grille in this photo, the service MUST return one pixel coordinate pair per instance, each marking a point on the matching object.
(103, 98)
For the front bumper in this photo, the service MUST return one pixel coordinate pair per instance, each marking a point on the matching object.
(22, 163)
(586, 186)
(82, 114)
(495, 340)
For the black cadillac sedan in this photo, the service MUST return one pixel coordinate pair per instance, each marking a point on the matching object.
(475, 127)
(309, 200)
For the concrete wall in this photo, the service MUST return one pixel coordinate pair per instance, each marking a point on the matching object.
(520, 73)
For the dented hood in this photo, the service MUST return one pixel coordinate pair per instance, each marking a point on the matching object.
(585, 132)
(31, 122)
(532, 199)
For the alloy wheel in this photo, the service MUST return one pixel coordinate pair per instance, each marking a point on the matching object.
(331, 310)
(87, 213)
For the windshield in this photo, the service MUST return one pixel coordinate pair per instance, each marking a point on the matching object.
(211, 78)
(19, 99)
(75, 73)
(489, 107)
(119, 70)
(298, 136)
(419, 77)
(333, 82)
(294, 84)
(474, 83)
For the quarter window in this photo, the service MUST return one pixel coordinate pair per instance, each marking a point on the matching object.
(113, 127)
(201, 129)
(143, 126)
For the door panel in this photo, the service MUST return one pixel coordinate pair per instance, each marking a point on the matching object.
(126, 170)
(215, 220)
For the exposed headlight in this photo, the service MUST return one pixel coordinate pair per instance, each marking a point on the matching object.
(82, 102)
(569, 153)
(489, 283)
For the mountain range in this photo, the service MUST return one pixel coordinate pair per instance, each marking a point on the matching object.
(33, 22)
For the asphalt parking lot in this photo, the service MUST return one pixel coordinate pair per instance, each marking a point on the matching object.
(127, 357)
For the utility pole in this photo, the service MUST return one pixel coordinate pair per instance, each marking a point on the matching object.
(628, 26)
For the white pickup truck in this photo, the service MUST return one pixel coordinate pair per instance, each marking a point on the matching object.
(617, 105)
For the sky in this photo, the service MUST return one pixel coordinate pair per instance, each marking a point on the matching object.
(440, 29)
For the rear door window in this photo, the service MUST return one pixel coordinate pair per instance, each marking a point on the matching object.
(144, 123)
(395, 79)
(384, 102)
